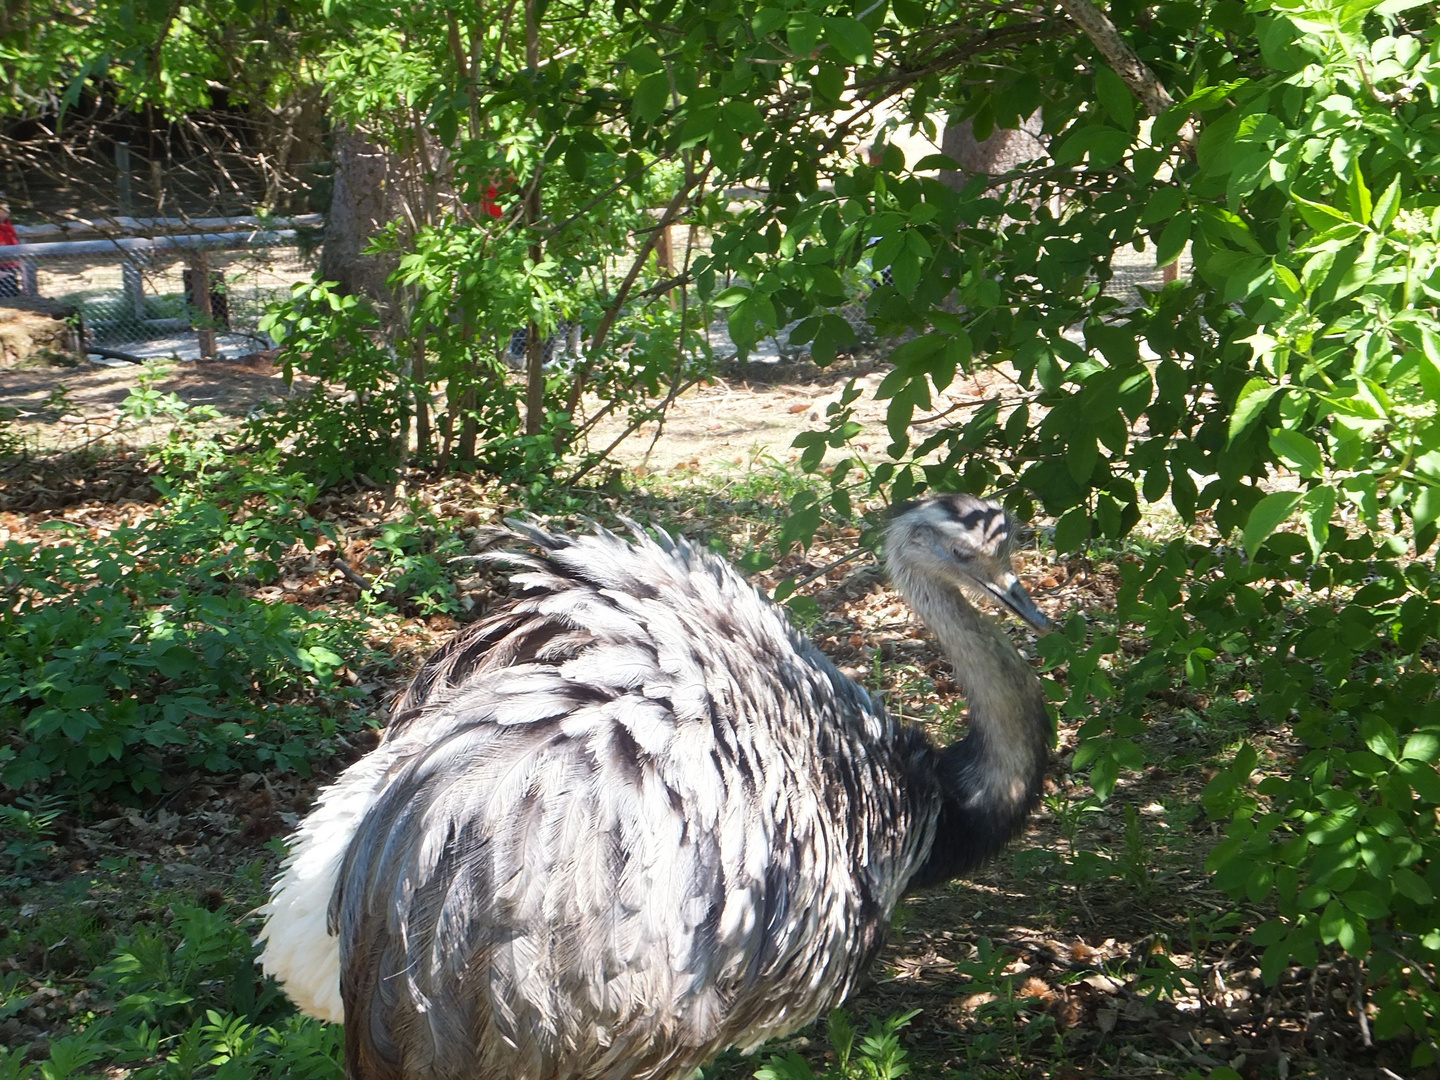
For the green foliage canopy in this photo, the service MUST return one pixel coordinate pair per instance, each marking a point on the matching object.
(1284, 395)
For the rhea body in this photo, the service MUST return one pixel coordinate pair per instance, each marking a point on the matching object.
(633, 818)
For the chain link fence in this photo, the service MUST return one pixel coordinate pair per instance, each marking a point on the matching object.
(135, 298)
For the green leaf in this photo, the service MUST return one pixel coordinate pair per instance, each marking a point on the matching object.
(1268, 515)
(828, 81)
(1410, 884)
(1287, 280)
(1164, 204)
(1196, 672)
(802, 33)
(740, 324)
(1361, 204)
(743, 116)
(1379, 735)
(1107, 146)
(1319, 507)
(725, 149)
(643, 60)
(1426, 507)
(1115, 97)
(1298, 450)
(1318, 215)
(850, 38)
(1081, 455)
(1172, 240)
(577, 161)
(1365, 904)
(1250, 405)
(1168, 124)
(913, 354)
(731, 296)
(1423, 746)
(1387, 207)
(1430, 362)
(650, 97)
(911, 13)
(1072, 530)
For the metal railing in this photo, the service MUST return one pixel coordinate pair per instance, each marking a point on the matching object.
(137, 296)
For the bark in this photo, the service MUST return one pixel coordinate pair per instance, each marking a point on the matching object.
(363, 203)
(1005, 149)
(421, 376)
(1097, 26)
(200, 297)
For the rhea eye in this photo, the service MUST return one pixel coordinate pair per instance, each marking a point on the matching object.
(963, 549)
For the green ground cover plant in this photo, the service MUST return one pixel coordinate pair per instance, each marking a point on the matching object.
(1275, 648)
(130, 652)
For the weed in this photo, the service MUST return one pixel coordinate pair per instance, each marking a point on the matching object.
(1135, 862)
(58, 400)
(416, 550)
(878, 1055)
(187, 1002)
(27, 827)
(1005, 1025)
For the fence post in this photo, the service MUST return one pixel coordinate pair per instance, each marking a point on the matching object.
(200, 297)
(134, 286)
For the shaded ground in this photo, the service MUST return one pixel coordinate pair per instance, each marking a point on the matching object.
(48, 395)
(749, 413)
(1095, 948)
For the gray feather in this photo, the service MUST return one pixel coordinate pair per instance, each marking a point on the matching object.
(634, 818)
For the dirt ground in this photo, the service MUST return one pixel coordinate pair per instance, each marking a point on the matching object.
(93, 393)
(747, 414)
(1044, 965)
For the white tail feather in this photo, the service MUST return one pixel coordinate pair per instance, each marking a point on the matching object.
(298, 947)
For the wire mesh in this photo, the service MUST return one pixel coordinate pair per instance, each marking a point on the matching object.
(141, 304)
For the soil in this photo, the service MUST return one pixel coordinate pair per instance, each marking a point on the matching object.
(1046, 963)
(748, 414)
(49, 394)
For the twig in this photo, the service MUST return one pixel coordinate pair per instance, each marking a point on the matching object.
(612, 312)
(352, 575)
(643, 418)
(808, 578)
(115, 354)
(997, 400)
(1365, 1039)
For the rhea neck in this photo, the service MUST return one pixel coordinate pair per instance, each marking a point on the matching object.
(991, 779)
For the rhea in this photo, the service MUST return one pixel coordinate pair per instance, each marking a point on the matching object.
(633, 818)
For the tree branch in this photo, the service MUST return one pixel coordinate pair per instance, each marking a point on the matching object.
(1097, 26)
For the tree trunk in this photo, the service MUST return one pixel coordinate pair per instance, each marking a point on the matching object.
(1005, 149)
(362, 204)
(421, 375)
(534, 347)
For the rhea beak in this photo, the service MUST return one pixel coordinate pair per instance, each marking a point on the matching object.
(1008, 591)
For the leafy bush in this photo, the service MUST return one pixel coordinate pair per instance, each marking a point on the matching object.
(1284, 402)
(352, 420)
(127, 653)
